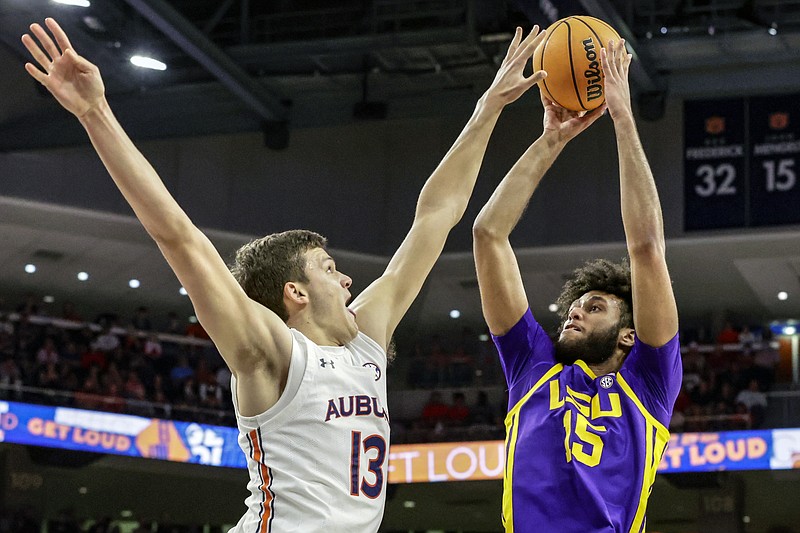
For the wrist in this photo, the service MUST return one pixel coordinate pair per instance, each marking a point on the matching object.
(624, 121)
(98, 111)
(489, 103)
(554, 140)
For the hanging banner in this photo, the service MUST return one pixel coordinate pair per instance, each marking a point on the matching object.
(714, 185)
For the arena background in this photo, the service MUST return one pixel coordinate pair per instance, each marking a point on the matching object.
(330, 116)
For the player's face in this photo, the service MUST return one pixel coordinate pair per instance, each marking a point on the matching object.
(591, 331)
(329, 293)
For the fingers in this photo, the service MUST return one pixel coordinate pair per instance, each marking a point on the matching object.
(36, 52)
(514, 44)
(528, 46)
(615, 59)
(46, 42)
(58, 33)
(37, 74)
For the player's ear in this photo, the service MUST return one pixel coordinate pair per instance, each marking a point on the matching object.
(295, 293)
(626, 338)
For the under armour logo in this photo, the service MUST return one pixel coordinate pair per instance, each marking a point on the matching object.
(606, 382)
(323, 363)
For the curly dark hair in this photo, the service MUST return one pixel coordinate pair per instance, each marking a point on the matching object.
(600, 275)
(263, 266)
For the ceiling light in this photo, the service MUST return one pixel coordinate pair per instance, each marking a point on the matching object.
(663, 30)
(193, 319)
(483, 337)
(48, 299)
(712, 30)
(455, 313)
(789, 330)
(134, 284)
(408, 504)
(773, 31)
(182, 291)
(553, 308)
(783, 295)
(79, 3)
(83, 276)
(30, 269)
(148, 62)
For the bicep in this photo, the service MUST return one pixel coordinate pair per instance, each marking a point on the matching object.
(655, 312)
(246, 333)
(502, 292)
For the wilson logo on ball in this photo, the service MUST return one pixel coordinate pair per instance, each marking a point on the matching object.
(570, 54)
(594, 85)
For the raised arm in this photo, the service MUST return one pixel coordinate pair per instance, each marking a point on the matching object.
(655, 313)
(254, 342)
(443, 199)
(502, 292)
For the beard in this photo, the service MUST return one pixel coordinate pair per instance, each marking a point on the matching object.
(594, 349)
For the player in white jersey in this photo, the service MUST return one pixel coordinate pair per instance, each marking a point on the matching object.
(308, 372)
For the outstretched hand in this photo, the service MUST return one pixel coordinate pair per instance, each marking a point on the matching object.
(510, 81)
(566, 124)
(71, 79)
(616, 63)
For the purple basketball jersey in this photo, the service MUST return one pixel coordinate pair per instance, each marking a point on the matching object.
(582, 450)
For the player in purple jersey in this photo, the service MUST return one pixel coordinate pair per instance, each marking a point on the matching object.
(588, 413)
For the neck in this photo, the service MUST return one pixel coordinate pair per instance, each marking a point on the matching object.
(312, 330)
(610, 365)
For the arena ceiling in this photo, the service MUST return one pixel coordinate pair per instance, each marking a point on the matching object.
(272, 67)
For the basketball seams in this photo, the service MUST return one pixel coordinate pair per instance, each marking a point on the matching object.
(591, 29)
(550, 34)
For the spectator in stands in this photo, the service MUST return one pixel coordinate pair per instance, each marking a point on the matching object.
(47, 353)
(435, 411)
(728, 335)
(765, 364)
(106, 341)
(29, 306)
(483, 413)
(458, 413)
(152, 347)
(181, 371)
(10, 376)
(755, 401)
(746, 337)
(141, 320)
(134, 388)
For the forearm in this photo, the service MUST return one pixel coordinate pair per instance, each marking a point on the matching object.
(138, 181)
(449, 188)
(505, 207)
(641, 209)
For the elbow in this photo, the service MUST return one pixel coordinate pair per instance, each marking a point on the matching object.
(483, 231)
(647, 249)
(172, 231)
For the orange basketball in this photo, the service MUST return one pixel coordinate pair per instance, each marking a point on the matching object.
(570, 53)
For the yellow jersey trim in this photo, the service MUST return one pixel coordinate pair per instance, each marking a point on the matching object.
(585, 367)
(512, 430)
(654, 451)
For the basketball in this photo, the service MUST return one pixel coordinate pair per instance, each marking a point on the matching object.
(570, 54)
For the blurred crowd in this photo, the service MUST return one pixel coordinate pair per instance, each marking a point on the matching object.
(169, 369)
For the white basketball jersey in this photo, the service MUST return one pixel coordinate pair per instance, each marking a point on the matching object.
(318, 457)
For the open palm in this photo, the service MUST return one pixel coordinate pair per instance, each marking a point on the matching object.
(71, 79)
(565, 123)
